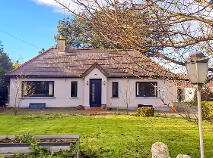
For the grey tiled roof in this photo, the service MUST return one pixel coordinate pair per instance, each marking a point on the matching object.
(75, 62)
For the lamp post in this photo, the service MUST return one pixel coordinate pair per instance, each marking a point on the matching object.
(197, 69)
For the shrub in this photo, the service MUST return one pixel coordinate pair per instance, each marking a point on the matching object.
(26, 138)
(207, 110)
(145, 111)
(43, 152)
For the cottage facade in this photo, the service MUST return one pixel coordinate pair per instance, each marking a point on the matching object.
(92, 78)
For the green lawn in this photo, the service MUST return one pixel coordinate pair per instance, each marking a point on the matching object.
(115, 135)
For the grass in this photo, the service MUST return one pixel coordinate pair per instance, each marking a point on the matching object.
(115, 135)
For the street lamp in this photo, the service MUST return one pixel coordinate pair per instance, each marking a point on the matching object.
(197, 69)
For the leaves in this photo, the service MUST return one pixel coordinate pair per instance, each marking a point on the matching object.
(5, 62)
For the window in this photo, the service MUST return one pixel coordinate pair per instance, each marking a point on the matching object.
(74, 88)
(114, 89)
(37, 88)
(146, 89)
(180, 95)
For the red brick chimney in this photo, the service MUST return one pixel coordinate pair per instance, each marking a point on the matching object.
(61, 44)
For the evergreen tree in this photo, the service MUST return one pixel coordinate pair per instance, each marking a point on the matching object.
(5, 63)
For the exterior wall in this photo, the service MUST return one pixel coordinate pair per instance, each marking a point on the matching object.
(62, 94)
(167, 93)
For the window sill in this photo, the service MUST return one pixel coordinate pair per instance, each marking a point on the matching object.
(37, 98)
(74, 98)
(114, 97)
(147, 97)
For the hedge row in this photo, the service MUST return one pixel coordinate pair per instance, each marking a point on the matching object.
(145, 111)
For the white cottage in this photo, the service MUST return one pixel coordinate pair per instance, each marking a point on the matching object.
(68, 77)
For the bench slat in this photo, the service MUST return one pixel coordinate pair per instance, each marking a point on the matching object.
(45, 136)
(12, 150)
(41, 144)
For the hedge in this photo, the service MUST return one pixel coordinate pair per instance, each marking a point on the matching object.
(145, 111)
(207, 110)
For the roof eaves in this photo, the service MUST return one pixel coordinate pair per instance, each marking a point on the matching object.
(43, 76)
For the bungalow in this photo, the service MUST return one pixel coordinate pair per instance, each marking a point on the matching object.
(68, 77)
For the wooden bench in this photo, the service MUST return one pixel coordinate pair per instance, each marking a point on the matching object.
(63, 142)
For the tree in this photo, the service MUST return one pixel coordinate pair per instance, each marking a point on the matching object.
(79, 33)
(5, 63)
(185, 26)
(16, 64)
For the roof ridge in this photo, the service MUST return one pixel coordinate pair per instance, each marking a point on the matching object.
(31, 60)
(100, 49)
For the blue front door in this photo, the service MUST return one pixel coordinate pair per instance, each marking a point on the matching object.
(95, 93)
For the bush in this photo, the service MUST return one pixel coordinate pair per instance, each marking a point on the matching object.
(145, 111)
(207, 110)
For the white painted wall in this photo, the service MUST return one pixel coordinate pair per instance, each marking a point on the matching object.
(62, 94)
(167, 93)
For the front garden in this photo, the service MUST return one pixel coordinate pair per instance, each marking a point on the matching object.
(115, 135)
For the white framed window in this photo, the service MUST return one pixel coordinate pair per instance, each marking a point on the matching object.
(37, 88)
(115, 89)
(146, 89)
(74, 88)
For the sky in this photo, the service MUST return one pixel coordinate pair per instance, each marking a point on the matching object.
(27, 26)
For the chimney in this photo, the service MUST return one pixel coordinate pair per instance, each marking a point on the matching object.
(61, 44)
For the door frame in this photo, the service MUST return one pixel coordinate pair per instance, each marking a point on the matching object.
(90, 90)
